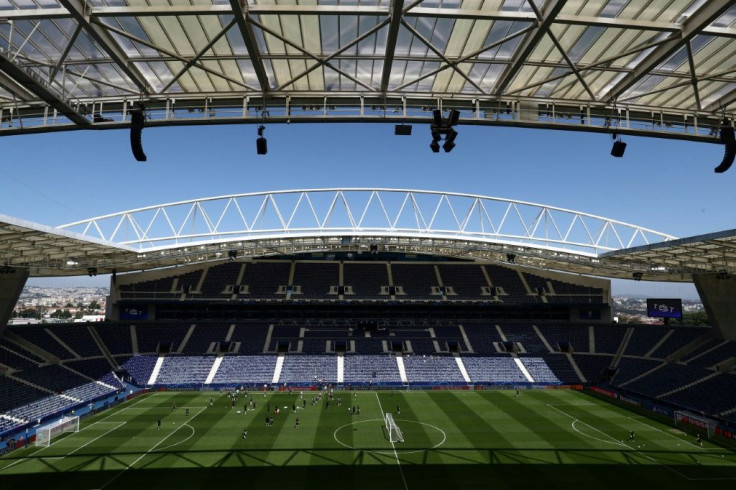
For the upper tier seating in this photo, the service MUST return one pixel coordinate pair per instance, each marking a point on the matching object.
(264, 278)
(77, 335)
(315, 279)
(365, 279)
(116, 338)
(416, 280)
(467, 281)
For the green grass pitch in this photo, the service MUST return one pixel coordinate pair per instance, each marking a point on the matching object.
(452, 439)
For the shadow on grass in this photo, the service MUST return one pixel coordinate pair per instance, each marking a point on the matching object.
(373, 468)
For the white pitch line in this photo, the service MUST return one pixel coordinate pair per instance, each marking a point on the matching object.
(32, 456)
(93, 440)
(396, 455)
(666, 433)
(575, 419)
(148, 452)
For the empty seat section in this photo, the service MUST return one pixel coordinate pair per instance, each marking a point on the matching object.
(309, 369)
(78, 338)
(608, 338)
(246, 370)
(681, 336)
(138, 367)
(371, 369)
(38, 336)
(219, 277)
(185, 369)
(540, 370)
(494, 370)
(365, 279)
(466, 280)
(432, 369)
(416, 280)
(526, 336)
(315, 279)
(264, 278)
(204, 335)
(509, 280)
(116, 338)
(592, 366)
(150, 336)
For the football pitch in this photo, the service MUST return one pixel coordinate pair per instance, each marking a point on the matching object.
(452, 439)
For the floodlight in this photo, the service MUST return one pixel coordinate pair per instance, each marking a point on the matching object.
(511, 258)
(435, 146)
(637, 276)
(232, 254)
(92, 271)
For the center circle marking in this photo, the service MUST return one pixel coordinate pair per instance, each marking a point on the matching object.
(391, 452)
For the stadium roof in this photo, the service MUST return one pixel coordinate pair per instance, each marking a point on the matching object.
(657, 68)
(323, 221)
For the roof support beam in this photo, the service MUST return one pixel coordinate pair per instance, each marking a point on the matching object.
(397, 7)
(174, 56)
(603, 62)
(693, 77)
(106, 43)
(37, 87)
(68, 48)
(466, 58)
(249, 38)
(443, 57)
(723, 101)
(323, 61)
(703, 17)
(197, 56)
(548, 14)
(564, 55)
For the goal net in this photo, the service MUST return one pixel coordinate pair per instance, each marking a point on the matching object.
(698, 421)
(394, 432)
(45, 434)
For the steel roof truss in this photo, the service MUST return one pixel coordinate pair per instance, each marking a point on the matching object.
(548, 13)
(701, 18)
(442, 56)
(246, 31)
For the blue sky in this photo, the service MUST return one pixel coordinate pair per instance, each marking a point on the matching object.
(666, 185)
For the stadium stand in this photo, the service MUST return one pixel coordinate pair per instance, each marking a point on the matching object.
(432, 369)
(466, 281)
(493, 370)
(371, 369)
(365, 280)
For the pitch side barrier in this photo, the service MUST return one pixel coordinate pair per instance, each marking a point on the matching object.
(724, 428)
(360, 386)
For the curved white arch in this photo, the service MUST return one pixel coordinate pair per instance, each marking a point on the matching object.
(364, 212)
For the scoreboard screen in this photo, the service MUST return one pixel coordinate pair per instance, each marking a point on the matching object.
(664, 308)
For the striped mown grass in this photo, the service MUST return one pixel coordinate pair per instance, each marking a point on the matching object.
(484, 439)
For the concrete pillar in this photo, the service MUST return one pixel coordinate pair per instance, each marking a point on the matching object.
(718, 294)
(12, 281)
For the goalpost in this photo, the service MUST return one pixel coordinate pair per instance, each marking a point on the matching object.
(47, 432)
(394, 432)
(696, 421)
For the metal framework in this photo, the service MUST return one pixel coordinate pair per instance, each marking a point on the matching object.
(363, 212)
(322, 221)
(663, 69)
